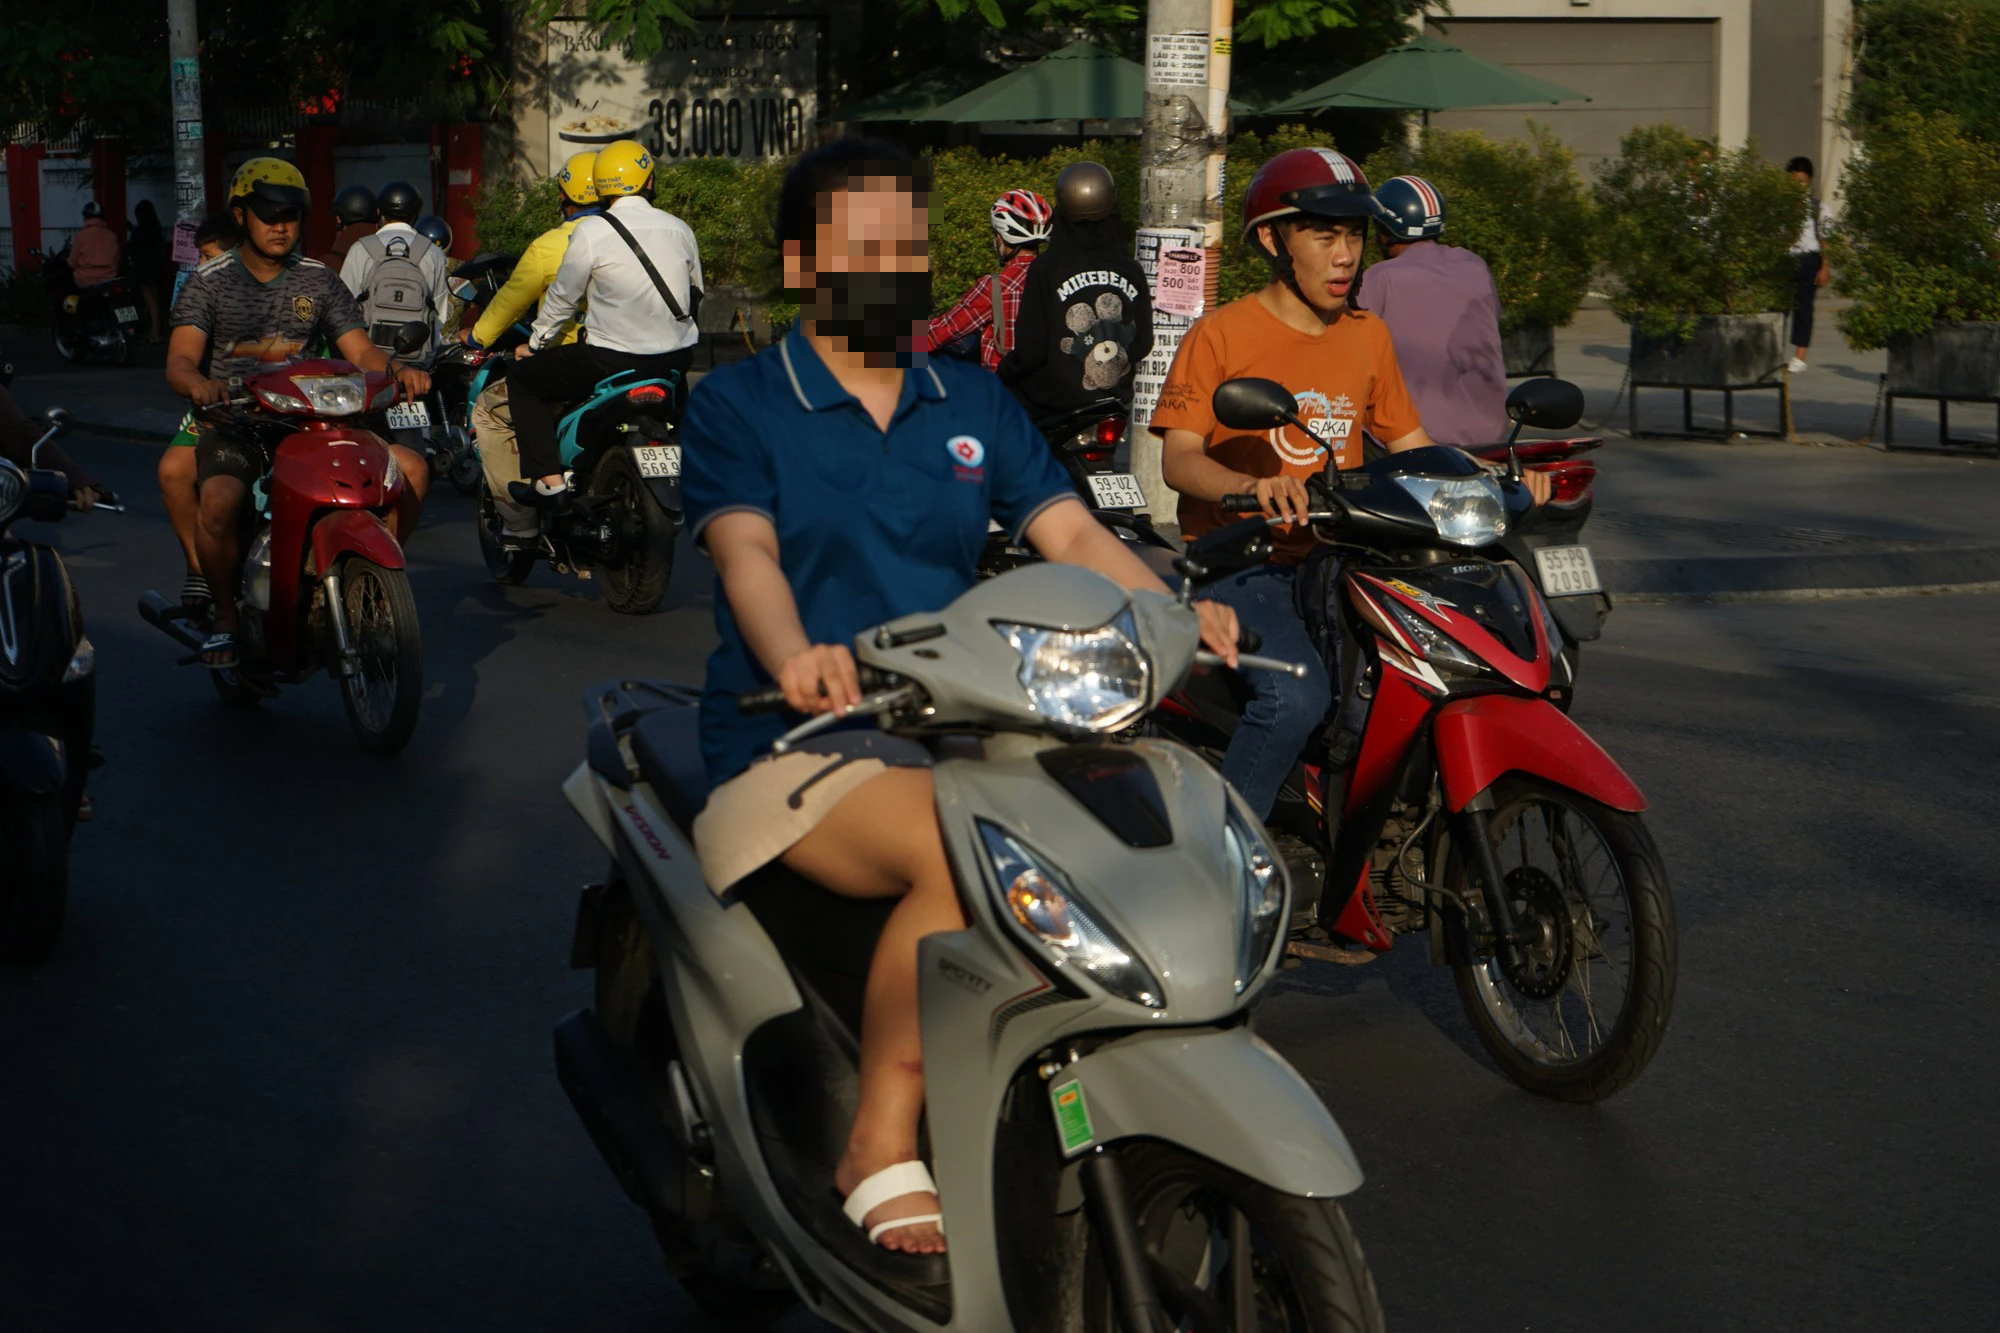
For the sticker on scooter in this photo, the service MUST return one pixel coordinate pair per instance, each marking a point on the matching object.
(1072, 1117)
(1429, 601)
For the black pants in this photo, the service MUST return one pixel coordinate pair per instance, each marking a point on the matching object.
(1802, 297)
(564, 375)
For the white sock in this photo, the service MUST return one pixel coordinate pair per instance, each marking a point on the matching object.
(542, 487)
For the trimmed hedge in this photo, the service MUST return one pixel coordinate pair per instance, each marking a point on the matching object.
(1521, 207)
(1927, 57)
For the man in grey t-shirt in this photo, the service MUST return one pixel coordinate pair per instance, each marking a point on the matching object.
(1443, 313)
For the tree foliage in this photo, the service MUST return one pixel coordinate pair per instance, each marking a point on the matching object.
(1520, 206)
(1919, 240)
(1690, 230)
(1928, 56)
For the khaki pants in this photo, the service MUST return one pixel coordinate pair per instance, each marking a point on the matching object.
(499, 455)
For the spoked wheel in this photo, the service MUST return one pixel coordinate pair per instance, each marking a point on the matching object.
(463, 471)
(387, 687)
(34, 877)
(1577, 1012)
(1229, 1253)
(644, 534)
(506, 566)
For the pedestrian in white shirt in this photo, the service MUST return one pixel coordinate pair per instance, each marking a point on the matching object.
(1810, 253)
(640, 270)
(379, 271)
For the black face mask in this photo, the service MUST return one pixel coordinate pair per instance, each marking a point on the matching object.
(874, 312)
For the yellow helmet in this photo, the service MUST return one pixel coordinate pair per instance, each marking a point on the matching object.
(270, 182)
(622, 168)
(578, 178)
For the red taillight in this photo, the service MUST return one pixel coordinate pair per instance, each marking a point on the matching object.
(647, 393)
(1097, 455)
(1569, 481)
(1110, 431)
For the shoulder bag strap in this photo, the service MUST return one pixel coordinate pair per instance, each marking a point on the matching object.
(1003, 337)
(659, 283)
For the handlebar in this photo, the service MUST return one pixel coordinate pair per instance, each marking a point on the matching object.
(771, 699)
(1242, 504)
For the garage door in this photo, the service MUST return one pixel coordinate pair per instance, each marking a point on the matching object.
(1635, 71)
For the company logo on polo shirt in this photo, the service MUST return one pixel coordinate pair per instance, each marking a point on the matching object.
(968, 456)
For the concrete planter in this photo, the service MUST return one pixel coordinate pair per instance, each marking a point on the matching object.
(1957, 361)
(1723, 352)
(1530, 349)
(727, 310)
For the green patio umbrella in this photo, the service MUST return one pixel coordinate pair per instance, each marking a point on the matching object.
(1426, 75)
(913, 99)
(1079, 82)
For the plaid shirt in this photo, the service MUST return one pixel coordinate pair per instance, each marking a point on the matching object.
(974, 311)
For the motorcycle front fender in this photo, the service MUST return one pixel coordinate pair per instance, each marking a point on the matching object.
(32, 763)
(1222, 1094)
(345, 532)
(1482, 738)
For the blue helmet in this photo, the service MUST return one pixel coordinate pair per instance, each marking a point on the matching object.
(435, 230)
(1409, 208)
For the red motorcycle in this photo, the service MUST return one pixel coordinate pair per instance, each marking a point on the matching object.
(1448, 793)
(323, 574)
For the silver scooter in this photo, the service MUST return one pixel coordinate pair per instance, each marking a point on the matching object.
(1114, 1146)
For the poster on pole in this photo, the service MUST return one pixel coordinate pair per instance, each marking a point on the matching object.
(1168, 327)
(737, 88)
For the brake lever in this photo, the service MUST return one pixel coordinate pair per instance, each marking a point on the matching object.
(872, 706)
(1253, 662)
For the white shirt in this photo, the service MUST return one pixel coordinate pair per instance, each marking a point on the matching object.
(1818, 218)
(625, 312)
(359, 267)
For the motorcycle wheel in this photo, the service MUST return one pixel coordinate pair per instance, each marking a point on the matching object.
(125, 350)
(465, 471)
(1306, 1269)
(34, 877)
(1583, 1011)
(71, 349)
(383, 696)
(509, 567)
(637, 586)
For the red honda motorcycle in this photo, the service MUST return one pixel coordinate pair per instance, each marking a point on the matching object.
(1448, 793)
(323, 574)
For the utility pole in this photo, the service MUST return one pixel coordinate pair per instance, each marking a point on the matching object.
(1182, 146)
(190, 168)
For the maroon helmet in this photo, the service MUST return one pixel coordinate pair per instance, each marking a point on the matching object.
(1316, 182)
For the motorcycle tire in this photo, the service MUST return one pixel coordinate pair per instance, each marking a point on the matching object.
(638, 585)
(34, 876)
(507, 567)
(383, 697)
(126, 349)
(1307, 1271)
(1544, 1057)
(73, 349)
(464, 472)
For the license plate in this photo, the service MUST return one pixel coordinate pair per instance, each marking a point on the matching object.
(658, 460)
(127, 314)
(409, 416)
(1117, 490)
(1567, 570)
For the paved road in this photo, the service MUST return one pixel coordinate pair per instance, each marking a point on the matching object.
(291, 1070)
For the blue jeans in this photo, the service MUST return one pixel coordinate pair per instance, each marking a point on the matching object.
(1283, 710)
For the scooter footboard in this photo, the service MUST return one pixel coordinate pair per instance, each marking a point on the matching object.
(1485, 737)
(1224, 1094)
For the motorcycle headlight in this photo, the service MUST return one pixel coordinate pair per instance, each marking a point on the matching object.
(334, 395)
(283, 402)
(1262, 880)
(1467, 511)
(1089, 680)
(1043, 908)
(1437, 647)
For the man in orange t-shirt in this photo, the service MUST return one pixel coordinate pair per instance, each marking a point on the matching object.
(1307, 212)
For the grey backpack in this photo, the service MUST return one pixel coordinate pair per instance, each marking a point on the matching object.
(398, 291)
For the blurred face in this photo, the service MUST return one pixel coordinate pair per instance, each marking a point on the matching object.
(274, 238)
(1800, 177)
(1326, 256)
(869, 271)
(212, 250)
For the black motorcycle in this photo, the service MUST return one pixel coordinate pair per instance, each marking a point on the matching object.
(47, 703)
(1085, 441)
(103, 319)
(439, 425)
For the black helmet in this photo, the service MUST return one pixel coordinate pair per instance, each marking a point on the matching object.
(354, 204)
(399, 202)
(1085, 192)
(435, 230)
(1409, 208)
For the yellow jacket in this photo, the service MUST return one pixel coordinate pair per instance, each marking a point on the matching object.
(532, 274)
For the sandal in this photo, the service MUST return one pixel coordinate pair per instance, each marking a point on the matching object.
(886, 1184)
(195, 592)
(220, 642)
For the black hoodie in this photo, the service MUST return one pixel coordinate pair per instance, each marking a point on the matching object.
(1086, 322)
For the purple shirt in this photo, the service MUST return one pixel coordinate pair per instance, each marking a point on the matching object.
(1443, 315)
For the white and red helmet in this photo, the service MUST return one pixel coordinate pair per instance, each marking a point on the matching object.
(1315, 182)
(1022, 217)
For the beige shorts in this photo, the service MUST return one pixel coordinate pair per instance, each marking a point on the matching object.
(761, 813)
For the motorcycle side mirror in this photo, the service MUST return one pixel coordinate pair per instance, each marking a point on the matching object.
(411, 337)
(1255, 404)
(59, 419)
(1545, 404)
